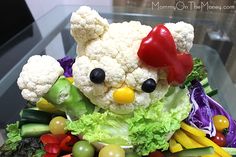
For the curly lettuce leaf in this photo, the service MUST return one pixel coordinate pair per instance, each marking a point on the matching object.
(104, 127)
(199, 72)
(13, 138)
(151, 128)
(147, 129)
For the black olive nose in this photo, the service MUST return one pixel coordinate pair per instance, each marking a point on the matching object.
(97, 75)
(149, 85)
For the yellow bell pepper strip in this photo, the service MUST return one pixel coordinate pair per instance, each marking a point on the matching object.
(185, 141)
(124, 95)
(71, 79)
(46, 106)
(174, 146)
(190, 143)
(192, 130)
(207, 142)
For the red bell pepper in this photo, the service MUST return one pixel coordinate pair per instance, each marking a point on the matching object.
(158, 50)
(49, 138)
(68, 142)
(50, 155)
(54, 144)
(52, 148)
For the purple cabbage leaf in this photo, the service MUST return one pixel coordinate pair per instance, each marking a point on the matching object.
(66, 63)
(203, 109)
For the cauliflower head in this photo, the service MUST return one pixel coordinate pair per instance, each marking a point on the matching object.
(38, 76)
(112, 53)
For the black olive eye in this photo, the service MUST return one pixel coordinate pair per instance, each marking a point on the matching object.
(97, 75)
(149, 85)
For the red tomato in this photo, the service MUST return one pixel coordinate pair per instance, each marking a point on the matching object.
(219, 139)
(156, 154)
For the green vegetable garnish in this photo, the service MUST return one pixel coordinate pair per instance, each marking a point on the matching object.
(150, 128)
(66, 97)
(147, 129)
(13, 138)
(199, 72)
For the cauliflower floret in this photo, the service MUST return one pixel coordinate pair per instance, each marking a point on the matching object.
(138, 76)
(38, 76)
(87, 24)
(121, 42)
(142, 99)
(161, 90)
(81, 71)
(98, 48)
(115, 75)
(183, 35)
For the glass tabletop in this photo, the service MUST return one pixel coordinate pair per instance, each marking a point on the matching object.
(50, 35)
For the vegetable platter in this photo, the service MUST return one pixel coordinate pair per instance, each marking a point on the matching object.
(131, 91)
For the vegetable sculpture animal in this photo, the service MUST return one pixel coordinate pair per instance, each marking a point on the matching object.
(127, 70)
(117, 73)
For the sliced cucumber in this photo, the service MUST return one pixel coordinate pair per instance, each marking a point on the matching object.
(35, 116)
(231, 151)
(34, 129)
(194, 152)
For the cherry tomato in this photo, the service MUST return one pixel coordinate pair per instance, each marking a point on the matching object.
(112, 150)
(83, 149)
(219, 139)
(57, 125)
(220, 122)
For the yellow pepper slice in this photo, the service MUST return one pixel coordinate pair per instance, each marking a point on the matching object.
(185, 141)
(44, 105)
(174, 146)
(207, 142)
(192, 130)
(124, 95)
(71, 79)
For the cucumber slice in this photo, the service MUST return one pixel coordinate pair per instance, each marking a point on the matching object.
(230, 150)
(34, 130)
(35, 116)
(195, 152)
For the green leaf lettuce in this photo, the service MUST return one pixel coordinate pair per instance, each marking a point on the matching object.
(147, 129)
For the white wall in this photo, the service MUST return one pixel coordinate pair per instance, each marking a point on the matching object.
(39, 7)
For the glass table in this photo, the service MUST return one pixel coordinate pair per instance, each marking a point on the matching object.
(50, 35)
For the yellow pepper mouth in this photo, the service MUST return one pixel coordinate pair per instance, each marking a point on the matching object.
(124, 95)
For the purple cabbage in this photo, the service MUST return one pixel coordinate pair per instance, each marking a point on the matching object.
(66, 63)
(204, 108)
(200, 115)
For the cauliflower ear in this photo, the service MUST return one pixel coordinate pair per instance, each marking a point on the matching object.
(37, 76)
(87, 24)
(183, 34)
